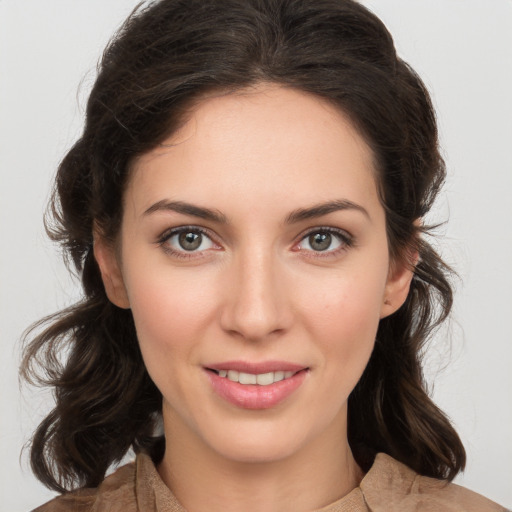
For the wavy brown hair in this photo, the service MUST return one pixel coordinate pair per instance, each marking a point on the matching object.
(166, 56)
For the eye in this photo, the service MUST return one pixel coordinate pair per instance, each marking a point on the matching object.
(325, 241)
(186, 240)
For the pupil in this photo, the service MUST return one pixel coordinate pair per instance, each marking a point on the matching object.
(320, 241)
(190, 241)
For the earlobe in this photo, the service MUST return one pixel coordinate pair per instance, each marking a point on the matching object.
(111, 274)
(398, 285)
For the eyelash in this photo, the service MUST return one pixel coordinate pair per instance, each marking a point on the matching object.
(346, 241)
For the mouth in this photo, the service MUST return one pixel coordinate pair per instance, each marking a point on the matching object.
(256, 385)
(259, 379)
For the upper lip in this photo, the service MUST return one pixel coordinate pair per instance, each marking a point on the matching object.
(257, 368)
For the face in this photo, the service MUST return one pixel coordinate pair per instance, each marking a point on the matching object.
(254, 257)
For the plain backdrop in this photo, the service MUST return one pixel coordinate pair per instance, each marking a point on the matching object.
(462, 49)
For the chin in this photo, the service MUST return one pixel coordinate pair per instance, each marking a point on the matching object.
(257, 451)
(262, 441)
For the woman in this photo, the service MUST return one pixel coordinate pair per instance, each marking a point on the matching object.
(245, 209)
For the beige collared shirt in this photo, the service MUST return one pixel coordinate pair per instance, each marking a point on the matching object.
(389, 486)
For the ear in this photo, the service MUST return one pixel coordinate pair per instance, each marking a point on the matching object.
(111, 274)
(398, 284)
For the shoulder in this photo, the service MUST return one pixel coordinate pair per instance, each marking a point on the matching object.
(116, 494)
(390, 485)
(132, 488)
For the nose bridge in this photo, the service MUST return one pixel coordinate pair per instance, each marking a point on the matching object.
(256, 305)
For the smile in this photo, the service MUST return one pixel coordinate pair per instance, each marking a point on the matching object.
(260, 379)
(256, 385)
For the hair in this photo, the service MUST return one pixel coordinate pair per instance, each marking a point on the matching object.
(166, 57)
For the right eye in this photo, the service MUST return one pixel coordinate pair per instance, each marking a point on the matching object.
(185, 241)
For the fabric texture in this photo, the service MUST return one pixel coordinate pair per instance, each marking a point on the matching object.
(389, 486)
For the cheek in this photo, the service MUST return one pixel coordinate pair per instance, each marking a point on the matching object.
(348, 304)
(170, 310)
(343, 320)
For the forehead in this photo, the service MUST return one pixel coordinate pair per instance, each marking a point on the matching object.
(267, 142)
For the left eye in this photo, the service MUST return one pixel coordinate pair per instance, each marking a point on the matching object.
(189, 240)
(322, 241)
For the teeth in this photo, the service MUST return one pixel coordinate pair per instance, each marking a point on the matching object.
(233, 375)
(262, 379)
(246, 378)
(278, 376)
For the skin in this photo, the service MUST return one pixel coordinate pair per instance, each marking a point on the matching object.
(256, 290)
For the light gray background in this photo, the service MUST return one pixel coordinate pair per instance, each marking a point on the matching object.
(462, 49)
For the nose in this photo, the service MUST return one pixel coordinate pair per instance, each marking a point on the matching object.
(256, 304)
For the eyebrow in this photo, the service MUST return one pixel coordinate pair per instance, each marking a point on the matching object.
(295, 216)
(322, 209)
(187, 209)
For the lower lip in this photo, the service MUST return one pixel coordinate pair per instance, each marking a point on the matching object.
(253, 396)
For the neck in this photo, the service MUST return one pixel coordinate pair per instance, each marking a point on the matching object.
(201, 479)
